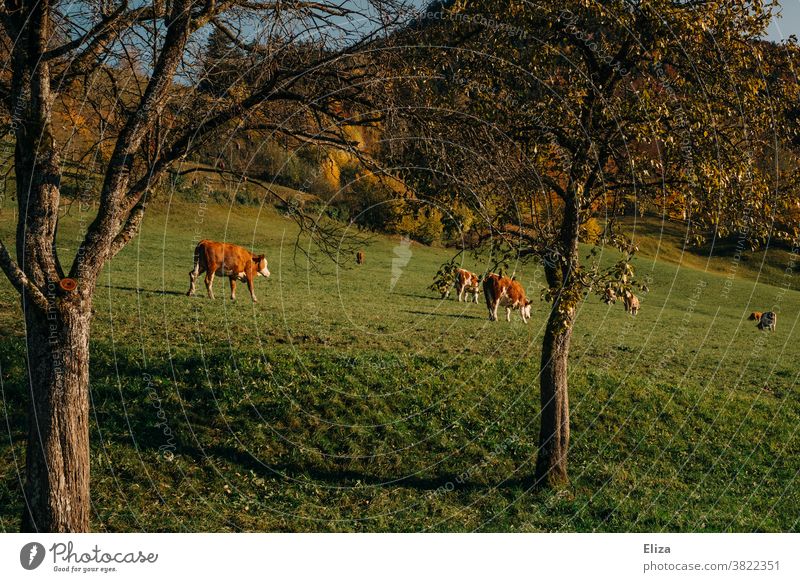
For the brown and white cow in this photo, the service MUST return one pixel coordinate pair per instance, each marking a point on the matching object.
(769, 319)
(508, 293)
(226, 260)
(467, 282)
(631, 303)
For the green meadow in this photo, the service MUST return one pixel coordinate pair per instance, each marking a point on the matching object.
(353, 398)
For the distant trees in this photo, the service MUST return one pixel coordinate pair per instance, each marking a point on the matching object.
(157, 90)
(223, 64)
(542, 118)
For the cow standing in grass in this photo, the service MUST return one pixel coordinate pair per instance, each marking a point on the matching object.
(631, 303)
(226, 260)
(768, 320)
(467, 283)
(508, 293)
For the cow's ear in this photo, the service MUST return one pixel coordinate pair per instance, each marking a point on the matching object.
(258, 258)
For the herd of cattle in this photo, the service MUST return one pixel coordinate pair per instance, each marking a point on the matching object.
(498, 291)
(239, 264)
(509, 293)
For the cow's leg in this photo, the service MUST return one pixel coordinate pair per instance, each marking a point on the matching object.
(508, 314)
(193, 274)
(252, 288)
(461, 291)
(210, 283)
(233, 288)
(493, 311)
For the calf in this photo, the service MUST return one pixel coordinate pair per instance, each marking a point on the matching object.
(467, 282)
(508, 293)
(360, 258)
(769, 320)
(755, 316)
(226, 260)
(631, 303)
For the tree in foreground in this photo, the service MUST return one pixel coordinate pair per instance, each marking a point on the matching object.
(546, 117)
(156, 90)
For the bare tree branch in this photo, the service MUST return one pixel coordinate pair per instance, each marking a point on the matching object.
(19, 280)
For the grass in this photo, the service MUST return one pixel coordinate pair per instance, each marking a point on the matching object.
(341, 403)
(666, 240)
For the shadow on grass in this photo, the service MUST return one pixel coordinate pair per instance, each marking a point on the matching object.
(150, 416)
(451, 315)
(419, 296)
(148, 291)
(195, 429)
(303, 474)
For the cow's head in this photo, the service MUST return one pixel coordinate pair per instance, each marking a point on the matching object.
(261, 265)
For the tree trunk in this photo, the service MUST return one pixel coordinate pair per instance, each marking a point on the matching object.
(560, 271)
(57, 463)
(551, 462)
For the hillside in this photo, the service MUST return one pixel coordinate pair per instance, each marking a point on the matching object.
(666, 240)
(354, 399)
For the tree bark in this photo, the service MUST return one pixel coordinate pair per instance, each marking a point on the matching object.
(551, 462)
(560, 271)
(56, 488)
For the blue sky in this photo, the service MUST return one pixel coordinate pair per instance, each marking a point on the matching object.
(789, 22)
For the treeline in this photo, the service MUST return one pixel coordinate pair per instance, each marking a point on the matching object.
(328, 165)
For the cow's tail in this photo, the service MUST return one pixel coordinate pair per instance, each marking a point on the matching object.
(197, 250)
(195, 268)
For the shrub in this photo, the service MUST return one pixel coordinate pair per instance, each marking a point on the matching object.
(425, 225)
(591, 231)
(457, 223)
